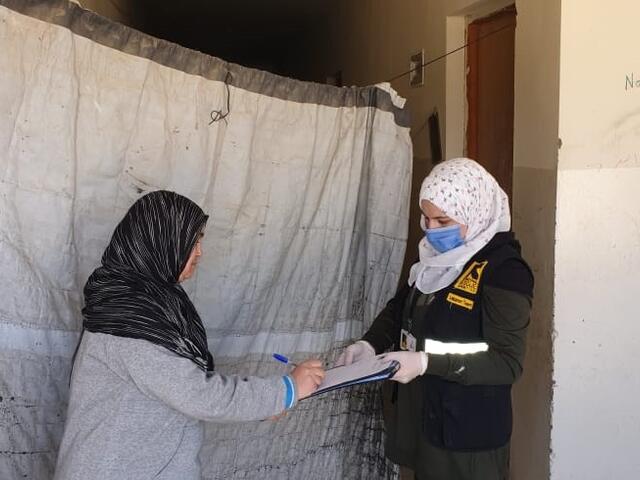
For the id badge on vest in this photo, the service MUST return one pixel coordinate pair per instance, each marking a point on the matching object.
(407, 341)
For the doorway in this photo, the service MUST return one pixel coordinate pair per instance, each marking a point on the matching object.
(490, 94)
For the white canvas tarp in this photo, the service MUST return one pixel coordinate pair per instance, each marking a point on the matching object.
(307, 188)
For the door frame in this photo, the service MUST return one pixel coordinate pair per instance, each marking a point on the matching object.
(473, 82)
(456, 118)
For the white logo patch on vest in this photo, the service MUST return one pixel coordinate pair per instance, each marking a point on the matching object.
(469, 281)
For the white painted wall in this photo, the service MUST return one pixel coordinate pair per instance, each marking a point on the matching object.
(596, 420)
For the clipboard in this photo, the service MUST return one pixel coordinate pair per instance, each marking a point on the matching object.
(366, 371)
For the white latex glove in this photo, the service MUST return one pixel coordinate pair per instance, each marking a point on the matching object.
(412, 365)
(355, 352)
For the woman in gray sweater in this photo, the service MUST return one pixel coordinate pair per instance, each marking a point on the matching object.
(143, 379)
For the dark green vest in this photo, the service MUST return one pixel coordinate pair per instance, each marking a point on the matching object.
(455, 416)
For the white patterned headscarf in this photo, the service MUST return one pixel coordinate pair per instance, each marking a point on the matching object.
(468, 194)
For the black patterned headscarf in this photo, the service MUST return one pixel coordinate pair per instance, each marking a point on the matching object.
(135, 293)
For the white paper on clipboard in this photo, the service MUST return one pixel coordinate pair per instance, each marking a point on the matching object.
(365, 371)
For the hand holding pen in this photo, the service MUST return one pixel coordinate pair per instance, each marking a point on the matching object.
(306, 375)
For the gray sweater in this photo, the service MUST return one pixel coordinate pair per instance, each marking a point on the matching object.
(136, 410)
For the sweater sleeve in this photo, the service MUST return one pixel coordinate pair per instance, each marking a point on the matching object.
(505, 321)
(180, 384)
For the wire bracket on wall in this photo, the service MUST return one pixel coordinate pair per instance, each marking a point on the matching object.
(217, 115)
(434, 60)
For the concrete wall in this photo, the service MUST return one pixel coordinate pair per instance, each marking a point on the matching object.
(537, 66)
(597, 339)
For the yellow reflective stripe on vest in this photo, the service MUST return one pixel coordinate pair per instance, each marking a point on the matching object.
(441, 348)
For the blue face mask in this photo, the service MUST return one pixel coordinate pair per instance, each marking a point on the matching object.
(445, 238)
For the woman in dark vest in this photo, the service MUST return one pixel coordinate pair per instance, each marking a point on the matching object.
(458, 330)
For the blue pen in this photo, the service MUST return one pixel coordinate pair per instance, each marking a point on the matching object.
(283, 359)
